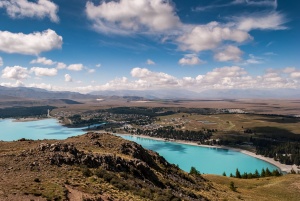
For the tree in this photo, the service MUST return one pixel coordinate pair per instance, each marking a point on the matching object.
(194, 171)
(224, 174)
(263, 173)
(237, 173)
(268, 172)
(256, 174)
(276, 173)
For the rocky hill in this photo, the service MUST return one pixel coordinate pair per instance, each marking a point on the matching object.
(93, 167)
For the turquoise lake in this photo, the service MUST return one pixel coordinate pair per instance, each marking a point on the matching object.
(205, 159)
(35, 130)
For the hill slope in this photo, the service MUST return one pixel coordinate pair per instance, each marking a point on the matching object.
(106, 167)
(93, 166)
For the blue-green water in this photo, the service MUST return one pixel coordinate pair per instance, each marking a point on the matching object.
(43, 129)
(206, 160)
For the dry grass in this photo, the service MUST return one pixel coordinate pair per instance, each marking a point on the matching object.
(264, 189)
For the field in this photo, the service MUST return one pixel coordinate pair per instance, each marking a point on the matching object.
(233, 122)
(286, 187)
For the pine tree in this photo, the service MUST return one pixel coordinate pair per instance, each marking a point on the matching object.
(224, 174)
(263, 173)
(268, 172)
(238, 174)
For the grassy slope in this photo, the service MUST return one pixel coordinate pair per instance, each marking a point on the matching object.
(286, 187)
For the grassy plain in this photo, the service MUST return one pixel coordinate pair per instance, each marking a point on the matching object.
(286, 187)
(232, 122)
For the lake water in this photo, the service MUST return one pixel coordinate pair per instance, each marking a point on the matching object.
(206, 160)
(43, 129)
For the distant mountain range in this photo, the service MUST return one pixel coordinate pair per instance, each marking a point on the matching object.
(35, 93)
(7, 93)
(208, 94)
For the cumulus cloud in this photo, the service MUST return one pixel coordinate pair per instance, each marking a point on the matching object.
(75, 67)
(61, 65)
(209, 36)
(228, 77)
(25, 8)
(15, 72)
(42, 60)
(68, 78)
(1, 61)
(153, 78)
(230, 53)
(190, 59)
(295, 74)
(18, 83)
(91, 70)
(150, 62)
(254, 60)
(41, 86)
(127, 16)
(30, 44)
(265, 21)
(289, 70)
(43, 71)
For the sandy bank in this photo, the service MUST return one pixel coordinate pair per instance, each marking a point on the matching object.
(27, 119)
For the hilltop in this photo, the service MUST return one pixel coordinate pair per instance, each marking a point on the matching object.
(106, 167)
(94, 167)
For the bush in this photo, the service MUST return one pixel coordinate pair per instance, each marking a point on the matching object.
(232, 186)
(86, 172)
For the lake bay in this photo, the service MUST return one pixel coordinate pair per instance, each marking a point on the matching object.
(206, 159)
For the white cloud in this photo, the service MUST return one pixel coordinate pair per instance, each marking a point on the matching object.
(68, 78)
(269, 21)
(209, 36)
(75, 67)
(41, 86)
(289, 70)
(91, 70)
(295, 74)
(153, 78)
(15, 72)
(254, 60)
(190, 59)
(270, 3)
(150, 62)
(127, 16)
(228, 77)
(61, 65)
(42, 60)
(30, 44)
(267, 3)
(43, 71)
(18, 83)
(25, 8)
(230, 53)
(98, 65)
(1, 61)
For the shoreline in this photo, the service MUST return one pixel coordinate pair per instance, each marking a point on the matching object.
(283, 167)
(24, 119)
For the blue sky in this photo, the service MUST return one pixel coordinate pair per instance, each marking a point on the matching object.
(91, 45)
